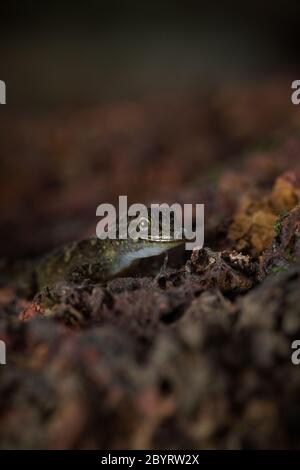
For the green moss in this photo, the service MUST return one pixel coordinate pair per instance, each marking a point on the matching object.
(278, 224)
(289, 256)
(278, 269)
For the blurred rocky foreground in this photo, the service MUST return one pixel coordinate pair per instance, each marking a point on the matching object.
(198, 356)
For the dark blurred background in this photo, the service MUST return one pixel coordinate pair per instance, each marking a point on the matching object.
(137, 98)
(58, 52)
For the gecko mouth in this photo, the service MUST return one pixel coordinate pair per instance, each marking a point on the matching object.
(178, 237)
(165, 239)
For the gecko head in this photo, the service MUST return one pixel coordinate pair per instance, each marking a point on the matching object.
(148, 234)
(156, 226)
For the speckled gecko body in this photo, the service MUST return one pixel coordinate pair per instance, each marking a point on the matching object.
(99, 260)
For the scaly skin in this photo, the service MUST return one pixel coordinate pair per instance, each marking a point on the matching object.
(94, 259)
(98, 260)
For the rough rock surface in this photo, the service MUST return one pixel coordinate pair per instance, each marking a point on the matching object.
(197, 356)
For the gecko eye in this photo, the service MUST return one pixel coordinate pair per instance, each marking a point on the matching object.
(143, 224)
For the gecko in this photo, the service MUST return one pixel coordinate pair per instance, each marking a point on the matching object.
(100, 260)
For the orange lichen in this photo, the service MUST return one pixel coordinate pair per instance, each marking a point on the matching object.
(286, 192)
(253, 226)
